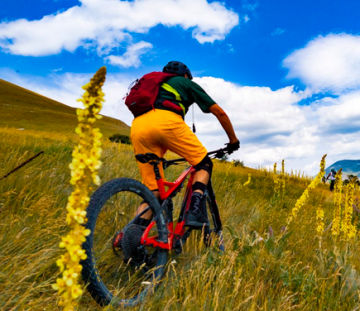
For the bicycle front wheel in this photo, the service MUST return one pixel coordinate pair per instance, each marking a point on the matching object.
(118, 269)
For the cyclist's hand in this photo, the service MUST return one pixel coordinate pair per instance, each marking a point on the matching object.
(231, 147)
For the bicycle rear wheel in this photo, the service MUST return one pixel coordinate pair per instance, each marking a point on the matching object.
(125, 274)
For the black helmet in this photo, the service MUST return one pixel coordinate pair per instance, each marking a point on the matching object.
(178, 68)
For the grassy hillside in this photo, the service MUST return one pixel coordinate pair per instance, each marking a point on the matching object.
(264, 267)
(279, 271)
(21, 108)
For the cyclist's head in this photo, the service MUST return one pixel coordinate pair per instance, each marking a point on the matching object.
(333, 171)
(178, 68)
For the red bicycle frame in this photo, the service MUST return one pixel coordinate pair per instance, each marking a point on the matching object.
(164, 194)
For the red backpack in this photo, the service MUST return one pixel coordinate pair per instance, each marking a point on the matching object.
(144, 92)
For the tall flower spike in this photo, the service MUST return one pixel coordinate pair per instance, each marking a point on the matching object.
(301, 201)
(84, 166)
(336, 224)
(320, 218)
(276, 181)
(282, 177)
(348, 228)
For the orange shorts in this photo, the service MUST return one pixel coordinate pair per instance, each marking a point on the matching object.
(158, 131)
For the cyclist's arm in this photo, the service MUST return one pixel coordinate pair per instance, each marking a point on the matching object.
(225, 122)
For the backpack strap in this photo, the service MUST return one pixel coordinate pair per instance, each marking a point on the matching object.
(171, 105)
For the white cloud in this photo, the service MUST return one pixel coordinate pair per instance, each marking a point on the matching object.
(131, 57)
(278, 31)
(106, 24)
(269, 123)
(328, 63)
(247, 106)
(342, 117)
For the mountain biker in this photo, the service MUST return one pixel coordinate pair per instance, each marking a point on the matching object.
(331, 177)
(164, 128)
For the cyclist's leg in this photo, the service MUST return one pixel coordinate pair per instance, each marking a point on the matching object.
(159, 130)
(203, 173)
(145, 139)
(181, 140)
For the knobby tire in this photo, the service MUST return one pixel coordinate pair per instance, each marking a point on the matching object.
(90, 273)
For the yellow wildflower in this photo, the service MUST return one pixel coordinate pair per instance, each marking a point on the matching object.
(83, 167)
(76, 291)
(301, 201)
(66, 242)
(282, 177)
(248, 181)
(320, 218)
(347, 227)
(336, 225)
(276, 181)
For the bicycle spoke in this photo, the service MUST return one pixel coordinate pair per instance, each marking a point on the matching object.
(119, 274)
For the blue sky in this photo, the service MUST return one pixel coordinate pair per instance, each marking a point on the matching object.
(287, 72)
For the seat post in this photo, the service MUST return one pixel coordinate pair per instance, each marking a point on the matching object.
(156, 169)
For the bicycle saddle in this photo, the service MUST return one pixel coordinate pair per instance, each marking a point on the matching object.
(149, 157)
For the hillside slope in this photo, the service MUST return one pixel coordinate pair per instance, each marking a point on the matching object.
(265, 267)
(21, 108)
(269, 263)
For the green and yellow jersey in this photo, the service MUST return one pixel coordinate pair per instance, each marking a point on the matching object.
(183, 92)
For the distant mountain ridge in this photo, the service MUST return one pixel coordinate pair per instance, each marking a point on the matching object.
(348, 167)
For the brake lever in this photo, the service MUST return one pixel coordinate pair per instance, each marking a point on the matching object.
(220, 154)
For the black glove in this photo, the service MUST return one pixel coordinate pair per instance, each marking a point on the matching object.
(232, 147)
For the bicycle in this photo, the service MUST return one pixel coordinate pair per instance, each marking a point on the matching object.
(144, 250)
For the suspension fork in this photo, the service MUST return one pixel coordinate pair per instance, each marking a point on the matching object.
(214, 208)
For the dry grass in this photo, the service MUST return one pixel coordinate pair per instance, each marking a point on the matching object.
(286, 271)
(21, 108)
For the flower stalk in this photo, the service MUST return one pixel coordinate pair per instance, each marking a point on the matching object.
(84, 167)
(348, 228)
(282, 177)
(276, 181)
(336, 224)
(320, 218)
(301, 201)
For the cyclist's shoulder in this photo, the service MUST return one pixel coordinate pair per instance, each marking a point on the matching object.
(178, 79)
(182, 82)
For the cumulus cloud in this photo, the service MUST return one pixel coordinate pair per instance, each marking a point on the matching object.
(106, 24)
(131, 57)
(330, 66)
(328, 63)
(269, 123)
(247, 106)
(342, 116)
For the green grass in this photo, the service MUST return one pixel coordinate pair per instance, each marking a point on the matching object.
(286, 271)
(259, 270)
